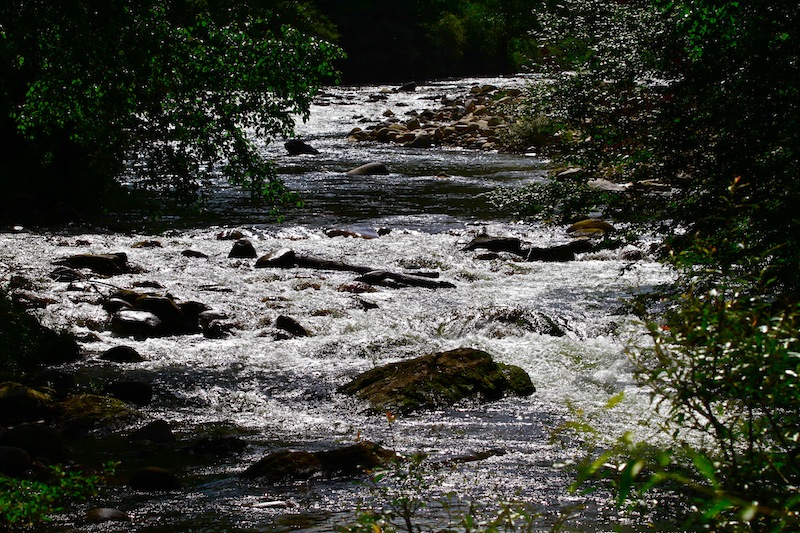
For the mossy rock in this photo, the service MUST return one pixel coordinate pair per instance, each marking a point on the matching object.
(88, 412)
(439, 380)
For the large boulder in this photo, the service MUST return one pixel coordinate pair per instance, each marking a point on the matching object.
(86, 413)
(438, 380)
(136, 323)
(346, 461)
(243, 249)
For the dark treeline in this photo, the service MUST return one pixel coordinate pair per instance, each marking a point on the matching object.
(403, 40)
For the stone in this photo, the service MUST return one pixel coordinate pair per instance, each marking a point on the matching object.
(217, 446)
(421, 140)
(407, 87)
(137, 324)
(194, 254)
(298, 147)
(154, 479)
(243, 249)
(369, 169)
(84, 413)
(345, 461)
(173, 320)
(282, 258)
(157, 431)
(147, 244)
(592, 225)
(438, 380)
(122, 354)
(291, 326)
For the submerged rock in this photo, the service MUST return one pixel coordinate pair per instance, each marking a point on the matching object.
(369, 169)
(157, 431)
(106, 514)
(438, 380)
(346, 461)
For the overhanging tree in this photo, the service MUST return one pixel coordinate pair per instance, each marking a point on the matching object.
(170, 92)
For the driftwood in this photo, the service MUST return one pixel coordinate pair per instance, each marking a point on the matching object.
(287, 258)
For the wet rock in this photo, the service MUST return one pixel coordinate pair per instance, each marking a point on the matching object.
(40, 441)
(135, 392)
(57, 383)
(105, 264)
(194, 254)
(157, 431)
(338, 232)
(346, 461)
(14, 462)
(356, 287)
(19, 404)
(591, 226)
(122, 354)
(112, 305)
(243, 249)
(137, 324)
(282, 258)
(438, 380)
(148, 244)
(291, 326)
(230, 235)
(495, 244)
(85, 413)
(154, 479)
(298, 147)
(106, 514)
(398, 280)
(369, 169)
(172, 318)
(216, 329)
(631, 254)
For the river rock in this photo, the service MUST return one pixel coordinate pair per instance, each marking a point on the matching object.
(346, 461)
(136, 323)
(19, 404)
(105, 264)
(154, 479)
(591, 226)
(173, 319)
(14, 462)
(438, 380)
(243, 249)
(291, 326)
(282, 258)
(369, 169)
(85, 413)
(217, 446)
(409, 87)
(122, 354)
(157, 431)
(106, 514)
(298, 147)
(194, 254)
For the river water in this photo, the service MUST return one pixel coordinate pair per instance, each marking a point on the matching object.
(276, 394)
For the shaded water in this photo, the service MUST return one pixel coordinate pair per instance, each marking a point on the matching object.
(281, 393)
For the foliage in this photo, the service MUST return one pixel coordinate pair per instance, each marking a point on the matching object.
(173, 90)
(25, 502)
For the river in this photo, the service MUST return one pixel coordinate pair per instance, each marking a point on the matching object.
(276, 394)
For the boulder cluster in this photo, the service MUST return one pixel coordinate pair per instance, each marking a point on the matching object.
(477, 120)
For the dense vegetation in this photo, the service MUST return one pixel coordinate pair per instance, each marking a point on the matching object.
(703, 97)
(166, 91)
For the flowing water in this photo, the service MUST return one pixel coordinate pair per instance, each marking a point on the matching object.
(281, 393)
